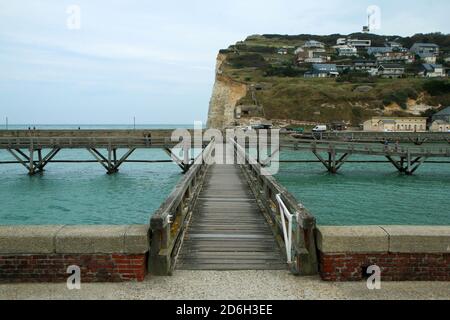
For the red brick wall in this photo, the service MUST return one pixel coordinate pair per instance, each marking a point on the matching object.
(53, 267)
(394, 266)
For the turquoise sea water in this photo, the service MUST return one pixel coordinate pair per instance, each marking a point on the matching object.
(368, 194)
(360, 194)
(84, 193)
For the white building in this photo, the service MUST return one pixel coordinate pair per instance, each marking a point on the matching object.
(396, 124)
(391, 70)
(432, 70)
(440, 126)
(346, 51)
(354, 42)
(426, 51)
(359, 43)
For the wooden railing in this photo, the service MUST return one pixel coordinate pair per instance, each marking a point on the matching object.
(84, 142)
(366, 148)
(381, 136)
(268, 192)
(168, 224)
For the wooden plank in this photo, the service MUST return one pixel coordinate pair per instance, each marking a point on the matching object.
(228, 230)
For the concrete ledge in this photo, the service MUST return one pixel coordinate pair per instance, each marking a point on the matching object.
(358, 239)
(420, 239)
(137, 239)
(28, 239)
(384, 239)
(130, 239)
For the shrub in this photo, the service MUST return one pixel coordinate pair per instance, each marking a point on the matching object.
(283, 71)
(399, 97)
(247, 61)
(437, 87)
(356, 77)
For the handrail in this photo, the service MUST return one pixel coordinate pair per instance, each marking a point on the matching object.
(85, 141)
(366, 148)
(267, 191)
(168, 223)
(381, 136)
(287, 232)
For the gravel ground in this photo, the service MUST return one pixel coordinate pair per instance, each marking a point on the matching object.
(251, 285)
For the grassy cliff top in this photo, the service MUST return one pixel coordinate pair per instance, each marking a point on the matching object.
(286, 94)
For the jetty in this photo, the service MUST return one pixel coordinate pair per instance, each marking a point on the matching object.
(35, 153)
(334, 154)
(227, 217)
(35, 149)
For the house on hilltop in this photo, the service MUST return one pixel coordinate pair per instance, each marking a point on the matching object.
(311, 52)
(320, 70)
(426, 51)
(314, 44)
(391, 70)
(391, 54)
(429, 70)
(357, 43)
(369, 66)
(346, 51)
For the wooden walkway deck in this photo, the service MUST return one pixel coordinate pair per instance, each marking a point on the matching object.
(228, 230)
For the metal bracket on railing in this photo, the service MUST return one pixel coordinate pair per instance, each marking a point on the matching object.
(287, 231)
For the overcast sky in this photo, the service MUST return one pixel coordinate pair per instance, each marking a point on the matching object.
(155, 59)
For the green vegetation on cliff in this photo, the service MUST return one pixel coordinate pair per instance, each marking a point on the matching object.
(354, 97)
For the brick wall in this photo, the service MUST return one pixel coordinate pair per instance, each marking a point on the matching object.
(394, 266)
(53, 267)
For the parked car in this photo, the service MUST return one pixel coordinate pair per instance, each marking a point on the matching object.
(320, 128)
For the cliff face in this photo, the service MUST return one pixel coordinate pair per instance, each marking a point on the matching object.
(255, 83)
(226, 93)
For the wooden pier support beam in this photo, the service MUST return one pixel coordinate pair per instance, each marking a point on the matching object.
(110, 163)
(33, 167)
(406, 165)
(184, 164)
(332, 165)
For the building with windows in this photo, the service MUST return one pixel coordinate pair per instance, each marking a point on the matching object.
(359, 43)
(346, 51)
(365, 65)
(314, 44)
(440, 126)
(391, 71)
(429, 70)
(396, 124)
(443, 115)
(426, 51)
(354, 42)
(320, 70)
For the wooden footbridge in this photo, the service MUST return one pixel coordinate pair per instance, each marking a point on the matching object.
(417, 138)
(406, 159)
(35, 153)
(231, 217)
(224, 217)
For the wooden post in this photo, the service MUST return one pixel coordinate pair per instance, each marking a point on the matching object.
(186, 161)
(31, 163)
(408, 163)
(159, 262)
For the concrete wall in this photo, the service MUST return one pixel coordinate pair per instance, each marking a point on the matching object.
(43, 253)
(402, 252)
